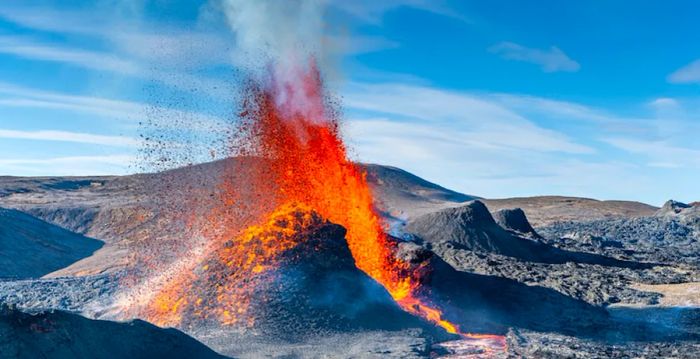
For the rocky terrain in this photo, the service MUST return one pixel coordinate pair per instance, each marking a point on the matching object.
(60, 334)
(51, 246)
(670, 235)
(557, 276)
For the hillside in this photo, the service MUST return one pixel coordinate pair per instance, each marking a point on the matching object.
(30, 247)
(62, 335)
(545, 210)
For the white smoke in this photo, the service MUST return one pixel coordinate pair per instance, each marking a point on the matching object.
(281, 30)
(280, 39)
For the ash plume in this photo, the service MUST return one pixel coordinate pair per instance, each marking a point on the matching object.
(284, 31)
(278, 43)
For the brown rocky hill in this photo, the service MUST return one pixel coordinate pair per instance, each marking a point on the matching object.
(544, 210)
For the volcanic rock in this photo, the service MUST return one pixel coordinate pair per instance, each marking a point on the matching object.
(472, 227)
(489, 304)
(672, 207)
(60, 335)
(515, 220)
(530, 344)
(30, 247)
(671, 238)
(89, 295)
(686, 214)
(311, 287)
(555, 305)
(402, 183)
(146, 208)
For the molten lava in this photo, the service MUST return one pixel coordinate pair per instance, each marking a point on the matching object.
(293, 131)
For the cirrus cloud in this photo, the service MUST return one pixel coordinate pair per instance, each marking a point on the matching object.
(550, 60)
(689, 73)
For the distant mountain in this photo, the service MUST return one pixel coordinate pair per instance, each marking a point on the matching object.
(30, 247)
(545, 210)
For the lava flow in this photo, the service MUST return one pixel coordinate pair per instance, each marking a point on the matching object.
(292, 128)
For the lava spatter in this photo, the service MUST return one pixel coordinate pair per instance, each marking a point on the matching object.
(292, 128)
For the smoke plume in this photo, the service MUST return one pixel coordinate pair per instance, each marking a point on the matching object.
(278, 44)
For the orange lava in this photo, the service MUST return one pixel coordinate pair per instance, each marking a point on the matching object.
(308, 164)
(293, 129)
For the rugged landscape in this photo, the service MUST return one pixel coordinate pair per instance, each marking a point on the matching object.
(556, 277)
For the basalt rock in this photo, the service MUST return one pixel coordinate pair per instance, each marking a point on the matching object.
(313, 288)
(515, 220)
(672, 207)
(472, 228)
(60, 335)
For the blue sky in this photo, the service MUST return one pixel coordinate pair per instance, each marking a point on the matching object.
(494, 98)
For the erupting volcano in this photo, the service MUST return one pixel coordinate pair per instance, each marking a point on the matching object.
(292, 128)
(204, 195)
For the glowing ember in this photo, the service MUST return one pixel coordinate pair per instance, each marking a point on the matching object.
(293, 129)
(225, 283)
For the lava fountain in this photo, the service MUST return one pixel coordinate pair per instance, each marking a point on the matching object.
(302, 165)
(297, 170)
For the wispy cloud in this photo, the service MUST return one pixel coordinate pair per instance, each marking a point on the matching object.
(67, 166)
(66, 136)
(359, 44)
(466, 117)
(573, 115)
(470, 142)
(445, 156)
(153, 51)
(54, 20)
(550, 60)
(689, 73)
(373, 11)
(659, 153)
(18, 96)
(515, 145)
(26, 48)
(32, 49)
(564, 109)
(150, 51)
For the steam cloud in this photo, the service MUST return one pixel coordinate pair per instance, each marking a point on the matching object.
(284, 31)
(277, 42)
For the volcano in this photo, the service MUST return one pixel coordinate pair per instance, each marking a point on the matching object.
(291, 277)
(291, 124)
